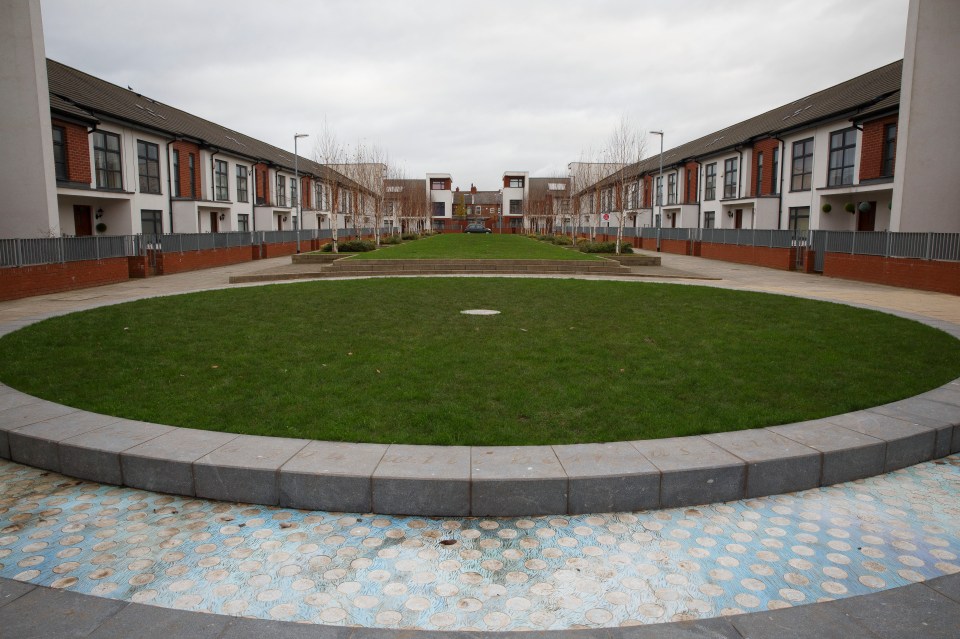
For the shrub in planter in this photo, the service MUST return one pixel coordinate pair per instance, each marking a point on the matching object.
(603, 247)
(101, 227)
(849, 207)
(561, 240)
(390, 239)
(409, 236)
(357, 246)
(826, 208)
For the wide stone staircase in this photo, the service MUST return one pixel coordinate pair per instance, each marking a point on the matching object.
(327, 265)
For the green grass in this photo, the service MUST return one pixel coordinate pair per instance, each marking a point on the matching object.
(394, 360)
(475, 246)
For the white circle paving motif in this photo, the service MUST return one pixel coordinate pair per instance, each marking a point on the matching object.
(487, 574)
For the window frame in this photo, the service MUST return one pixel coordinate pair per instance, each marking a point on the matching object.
(515, 182)
(805, 174)
(710, 181)
(795, 216)
(147, 166)
(192, 161)
(774, 167)
(731, 184)
(243, 194)
(281, 185)
(671, 188)
(709, 219)
(101, 153)
(176, 173)
(518, 205)
(888, 157)
(294, 192)
(60, 169)
(839, 172)
(221, 181)
(659, 188)
(156, 221)
(243, 222)
(760, 173)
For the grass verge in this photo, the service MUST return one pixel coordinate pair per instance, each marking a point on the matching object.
(475, 246)
(394, 360)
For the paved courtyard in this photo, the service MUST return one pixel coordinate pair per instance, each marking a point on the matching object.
(540, 573)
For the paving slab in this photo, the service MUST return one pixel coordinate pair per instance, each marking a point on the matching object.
(932, 412)
(25, 414)
(908, 611)
(948, 586)
(775, 464)
(331, 476)
(694, 471)
(95, 455)
(908, 442)
(717, 628)
(812, 621)
(152, 622)
(165, 463)
(423, 480)
(245, 469)
(516, 480)
(11, 589)
(45, 613)
(846, 454)
(39, 444)
(612, 477)
(10, 398)
(240, 628)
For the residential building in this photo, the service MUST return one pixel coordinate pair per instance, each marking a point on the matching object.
(125, 163)
(516, 196)
(825, 161)
(440, 196)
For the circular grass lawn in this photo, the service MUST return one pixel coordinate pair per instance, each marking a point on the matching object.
(394, 360)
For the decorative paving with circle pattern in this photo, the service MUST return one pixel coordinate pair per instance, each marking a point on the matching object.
(486, 574)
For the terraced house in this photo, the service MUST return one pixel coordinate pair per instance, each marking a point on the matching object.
(826, 161)
(128, 164)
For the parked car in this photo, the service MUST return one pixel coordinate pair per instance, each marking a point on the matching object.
(476, 228)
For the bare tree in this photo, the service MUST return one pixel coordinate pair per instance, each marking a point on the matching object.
(625, 147)
(328, 152)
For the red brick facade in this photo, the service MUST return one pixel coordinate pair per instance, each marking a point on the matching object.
(871, 155)
(76, 151)
(766, 147)
(691, 182)
(26, 281)
(186, 149)
(926, 275)
(262, 179)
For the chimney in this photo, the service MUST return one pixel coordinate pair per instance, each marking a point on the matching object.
(457, 189)
(473, 189)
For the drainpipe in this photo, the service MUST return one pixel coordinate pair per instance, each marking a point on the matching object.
(783, 148)
(170, 185)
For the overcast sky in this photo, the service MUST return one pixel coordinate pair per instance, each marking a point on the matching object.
(475, 88)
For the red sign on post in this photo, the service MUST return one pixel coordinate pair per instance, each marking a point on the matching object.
(606, 216)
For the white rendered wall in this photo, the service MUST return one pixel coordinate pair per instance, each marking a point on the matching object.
(27, 179)
(928, 152)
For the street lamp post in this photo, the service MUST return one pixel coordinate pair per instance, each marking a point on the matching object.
(660, 188)
(296, 180)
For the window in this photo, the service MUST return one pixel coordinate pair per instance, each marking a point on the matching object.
(220, 189)
(799, 218)
(774, 168)
(242, 184)
(438, 185)
(516, 183)
(318, 196)
(438, 209)
(243, 221)
(660, 191)
(293, 192)
(710, 182)
(709, 219)
(632, 190)
(281, 190)
(148, 165)
(106, 154)
(672, 188)
(516, 207)
(193, 175)
(889, 150)
(730, 186)
(176, 173)
(802, 165)
(759, 173)
(150, 223)
(843, 155)
(60, 153)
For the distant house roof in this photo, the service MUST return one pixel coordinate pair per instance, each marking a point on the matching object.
(80, 94)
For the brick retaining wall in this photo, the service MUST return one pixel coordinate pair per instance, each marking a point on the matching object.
(925, 275)
(26, 281)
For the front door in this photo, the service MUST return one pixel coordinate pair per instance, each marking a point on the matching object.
(213, 222)
(82, 221)
(867, 220)
(279, 222)
(738, 219)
